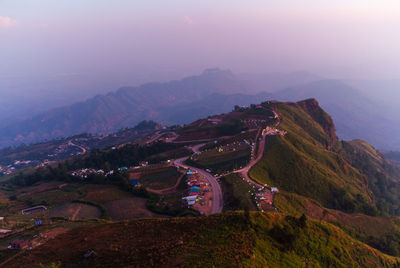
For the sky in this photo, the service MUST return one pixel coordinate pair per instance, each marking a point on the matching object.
(96, 45)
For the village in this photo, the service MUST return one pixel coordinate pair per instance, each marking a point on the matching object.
(199, 193)
(190, 184)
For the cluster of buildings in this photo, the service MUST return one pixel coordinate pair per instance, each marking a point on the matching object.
(18, 164)
(264, 198)
(197, 188)
(21, 164)
(232, 147)
(85, 172)
(7, 170)
(214, 120)
(273, 131)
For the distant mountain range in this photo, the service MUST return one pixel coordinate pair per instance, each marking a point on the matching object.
(214, 91)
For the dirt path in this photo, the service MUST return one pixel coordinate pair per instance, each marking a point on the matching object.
(165, 190)
(76, 213)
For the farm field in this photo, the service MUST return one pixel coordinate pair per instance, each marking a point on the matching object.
(129, 208)
(223, 158)
(103, 193)
(60, 202)
(30, 190)
(172, 154)
(75, 211)
(51, 197)
(161, 178)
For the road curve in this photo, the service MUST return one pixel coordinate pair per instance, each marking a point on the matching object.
(259, 154)
(245, 171)
(217, 203)
(80, 147)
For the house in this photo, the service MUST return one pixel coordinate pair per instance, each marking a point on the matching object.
(274, 189)
(19, 244)
(5, 231)
(134, 182)
(192, 197)
(143, 163)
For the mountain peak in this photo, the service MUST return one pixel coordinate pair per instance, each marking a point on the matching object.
(312, 107)
(218, 71)
(311, 102)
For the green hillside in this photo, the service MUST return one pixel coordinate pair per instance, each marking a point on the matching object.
(229, 240)
(383, 177)
(382, 233)
(337, 204)
(305, 162)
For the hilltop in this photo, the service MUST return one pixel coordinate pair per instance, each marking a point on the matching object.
(310, 161)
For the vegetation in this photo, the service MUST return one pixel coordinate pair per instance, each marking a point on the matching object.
(227, 128)
(220, 162)
(104, 212)
(168, 155)
(160, 178)
(237, 193)
(332, 196)
(234, 239)
(46, 150)
(382, 233)
(315, 173)
(302, 162)
(383, 177)
(129, 155)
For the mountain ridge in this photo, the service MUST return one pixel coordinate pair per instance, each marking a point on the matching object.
(183, 101)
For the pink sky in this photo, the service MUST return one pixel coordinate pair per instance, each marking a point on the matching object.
(149, 38)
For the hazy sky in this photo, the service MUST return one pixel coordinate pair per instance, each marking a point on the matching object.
(138, 40)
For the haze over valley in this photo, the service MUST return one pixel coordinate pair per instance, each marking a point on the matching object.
(370, 114)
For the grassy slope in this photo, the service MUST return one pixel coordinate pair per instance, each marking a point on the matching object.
(160, 178)
(382, 233)
(229, 240)
(237, 193)
(350, 176)
(301, 163)
(383, 177)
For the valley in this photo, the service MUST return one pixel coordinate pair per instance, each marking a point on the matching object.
(240, 161)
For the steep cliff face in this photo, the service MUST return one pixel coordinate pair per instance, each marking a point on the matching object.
(311, 107)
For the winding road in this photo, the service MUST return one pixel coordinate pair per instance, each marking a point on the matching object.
(245, 171)
(70, 143)
(259, 154)
(217, 204)
(217, 200)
